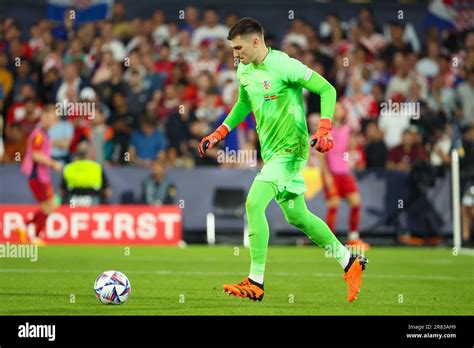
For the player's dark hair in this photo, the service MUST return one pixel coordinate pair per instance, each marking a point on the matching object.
(245, 26)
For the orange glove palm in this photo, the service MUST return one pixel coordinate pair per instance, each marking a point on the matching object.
(208, 142)
(323, 140)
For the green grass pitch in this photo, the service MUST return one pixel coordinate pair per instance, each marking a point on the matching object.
(188, 281)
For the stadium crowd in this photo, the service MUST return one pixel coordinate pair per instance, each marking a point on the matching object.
(144, 91)
(158, 85)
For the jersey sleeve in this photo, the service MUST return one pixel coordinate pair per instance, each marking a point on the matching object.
(293, 71)
(239, 111)
(319, 85)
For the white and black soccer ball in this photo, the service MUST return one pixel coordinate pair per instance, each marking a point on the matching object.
(112, 287)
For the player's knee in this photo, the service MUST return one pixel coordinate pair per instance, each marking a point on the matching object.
(334, 202)
(47, 206)
(354, 201)
(252, 205)
(296, 220)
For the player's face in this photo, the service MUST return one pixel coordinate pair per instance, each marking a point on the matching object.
(244, 48)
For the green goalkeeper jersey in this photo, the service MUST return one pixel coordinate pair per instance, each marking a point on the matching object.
(273, 91)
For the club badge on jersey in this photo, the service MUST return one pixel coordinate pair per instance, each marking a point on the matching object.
(266, 85)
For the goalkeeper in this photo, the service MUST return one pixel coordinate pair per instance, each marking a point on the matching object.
(270, 85)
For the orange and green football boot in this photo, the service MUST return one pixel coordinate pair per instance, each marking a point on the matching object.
(353, 275)
(246, 288)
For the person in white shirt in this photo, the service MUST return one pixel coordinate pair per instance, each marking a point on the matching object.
(211, 29)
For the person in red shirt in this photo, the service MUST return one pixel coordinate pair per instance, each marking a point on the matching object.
(403, 156)
(36, 166)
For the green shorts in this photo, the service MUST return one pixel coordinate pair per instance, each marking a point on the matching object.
(285, 175)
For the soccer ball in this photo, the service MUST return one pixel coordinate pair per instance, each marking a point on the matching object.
(112, 287)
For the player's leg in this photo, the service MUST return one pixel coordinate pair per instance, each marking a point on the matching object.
(298, 215)
(260, 195)
(466, 222)
(332, 203)
(45, 196)
(354, 239)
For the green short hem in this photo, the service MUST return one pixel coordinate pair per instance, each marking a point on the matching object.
(286, 178)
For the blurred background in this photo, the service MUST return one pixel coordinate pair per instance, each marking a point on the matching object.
(161, 76)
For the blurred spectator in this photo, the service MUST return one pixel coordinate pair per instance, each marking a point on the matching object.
(173, 34)
(185, 49)
(49, 85)
(296, 34)
(71, 85)
(115, 84)
(24, 76)
(121, 27)
(396, 41)
(404, 156)
(19, 52)
(393, 124)
(177, 130)
(153, 80)
(65, 30)
(428, 65)
(205, 62)
(360, 106)
(137, 95)
(104, 71)
(467, 183)
(465, 96)
(366, 34)
(210, 30)
(15, 144)
(110, 42)
(440, 156)
(375, 148)
(164, 64)
(182, 73)
(441, 98)
(379, 74)
(160, 32)
(168, 104)
(191, 19)
(84, 182)
(61, 135)
(6, 76)
(100, 134)
(403, 78)
(122, 122)
(76, 53)
(147, 144)
(158, 189)
(446, 70)
(24, 114)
